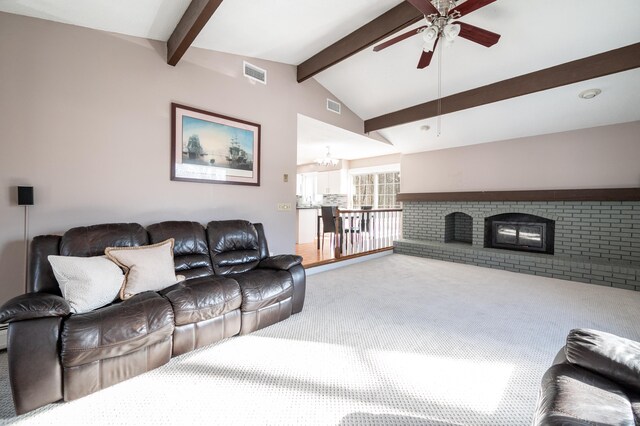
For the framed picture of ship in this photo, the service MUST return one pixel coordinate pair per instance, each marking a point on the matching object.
(212, 148)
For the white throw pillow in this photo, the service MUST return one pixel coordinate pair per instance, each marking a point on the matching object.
(87, 283)
(147, 268)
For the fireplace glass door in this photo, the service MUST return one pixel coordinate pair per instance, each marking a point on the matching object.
(530, 236)
(519, 231)
(506, 234)
(519, 235)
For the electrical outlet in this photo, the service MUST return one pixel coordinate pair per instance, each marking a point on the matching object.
(284, 207)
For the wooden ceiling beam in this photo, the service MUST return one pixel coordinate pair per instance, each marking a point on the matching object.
(192, 22)
(381, 27)
(611, 62)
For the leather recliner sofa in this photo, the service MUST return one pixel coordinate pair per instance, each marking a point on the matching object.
(232, 286)
(594, 380)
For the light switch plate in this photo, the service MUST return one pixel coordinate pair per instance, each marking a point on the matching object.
(284, 207)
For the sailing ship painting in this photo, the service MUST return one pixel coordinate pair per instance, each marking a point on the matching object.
(206, 143)
(213, 148)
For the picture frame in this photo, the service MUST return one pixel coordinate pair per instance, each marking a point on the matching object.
(212, 148)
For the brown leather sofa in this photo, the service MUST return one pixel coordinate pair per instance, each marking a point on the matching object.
(594, 380)
(232, 286)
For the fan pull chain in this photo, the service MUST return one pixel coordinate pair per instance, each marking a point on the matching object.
(439, 123)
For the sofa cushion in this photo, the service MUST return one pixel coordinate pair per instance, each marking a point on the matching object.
(190, 249)
(612, 356)
(233, 245)
(88, 241)
(203, 298)
(263, 287)
(148, 268)
(87, 283)
(571, 395)
(116, 330)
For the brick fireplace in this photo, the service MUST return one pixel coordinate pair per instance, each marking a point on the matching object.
(591, 241)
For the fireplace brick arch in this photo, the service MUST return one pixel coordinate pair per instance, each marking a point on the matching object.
(458, 227)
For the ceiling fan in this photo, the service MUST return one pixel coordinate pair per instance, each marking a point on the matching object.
(440, 16)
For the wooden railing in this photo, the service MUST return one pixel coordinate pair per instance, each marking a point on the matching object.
(361, 231)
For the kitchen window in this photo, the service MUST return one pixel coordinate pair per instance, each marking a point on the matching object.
(378, 190)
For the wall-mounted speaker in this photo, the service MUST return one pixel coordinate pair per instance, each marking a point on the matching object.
(25, 195)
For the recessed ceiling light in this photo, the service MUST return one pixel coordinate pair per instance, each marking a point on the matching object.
(425, 128)
(589, 94)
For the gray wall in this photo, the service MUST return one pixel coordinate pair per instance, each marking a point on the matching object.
(85, 119)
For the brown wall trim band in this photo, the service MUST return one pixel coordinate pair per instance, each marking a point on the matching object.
(604, 194)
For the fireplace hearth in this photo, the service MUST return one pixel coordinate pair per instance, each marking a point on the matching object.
(519, 231)
(596, 237)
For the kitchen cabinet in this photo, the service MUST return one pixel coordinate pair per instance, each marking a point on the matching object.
(332, 182)
(307, 224)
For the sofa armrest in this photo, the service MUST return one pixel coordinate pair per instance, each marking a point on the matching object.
(574, 396)
(611, 356)
(33, 305)
(282, 262)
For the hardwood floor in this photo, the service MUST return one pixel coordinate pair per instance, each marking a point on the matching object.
(311, 256)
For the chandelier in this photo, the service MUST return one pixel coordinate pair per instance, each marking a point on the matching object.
(327, 161)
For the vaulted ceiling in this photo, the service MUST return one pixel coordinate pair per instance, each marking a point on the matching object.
(535, 35)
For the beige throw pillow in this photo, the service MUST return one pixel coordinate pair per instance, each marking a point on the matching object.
(87, 283)
(147, 268)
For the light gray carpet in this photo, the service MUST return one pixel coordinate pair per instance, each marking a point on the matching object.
(395, 341)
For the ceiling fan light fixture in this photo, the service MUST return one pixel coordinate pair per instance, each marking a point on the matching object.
(451, 31)
(430, 35)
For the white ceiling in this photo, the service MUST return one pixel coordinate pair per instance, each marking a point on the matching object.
(535, 35)
(154, 19)
(288, 31)
(315, 136)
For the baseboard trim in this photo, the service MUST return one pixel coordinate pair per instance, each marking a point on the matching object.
(335, 265)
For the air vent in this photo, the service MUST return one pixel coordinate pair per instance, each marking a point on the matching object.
(333, 106)
(254, 73)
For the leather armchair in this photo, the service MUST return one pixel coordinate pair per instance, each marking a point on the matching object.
(595, 379)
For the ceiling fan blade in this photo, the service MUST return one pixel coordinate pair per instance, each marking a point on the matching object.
(424, 6)
(469, 6)
(398, 38)
(478, 35)
(425, 58)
